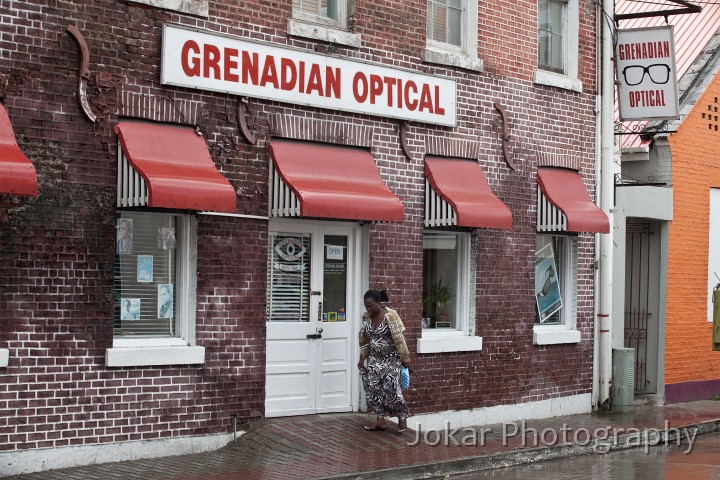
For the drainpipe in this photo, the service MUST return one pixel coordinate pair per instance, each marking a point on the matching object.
(606, 188)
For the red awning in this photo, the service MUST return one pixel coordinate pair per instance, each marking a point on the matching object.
(566, 191)
(17, 173)
(462, 184)
(335, 182)
(176, 166)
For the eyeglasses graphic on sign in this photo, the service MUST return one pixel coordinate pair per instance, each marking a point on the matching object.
(659, 74)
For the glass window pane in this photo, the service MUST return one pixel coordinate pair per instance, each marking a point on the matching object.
(550, 34)
(440, 279)
(145, 275)
(288, 291)
(454, 36)
(549, 281)
(439, 24)
(335, 279)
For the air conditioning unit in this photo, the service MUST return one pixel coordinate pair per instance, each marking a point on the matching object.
(623, 380)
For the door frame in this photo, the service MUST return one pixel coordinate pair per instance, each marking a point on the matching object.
(357, 277)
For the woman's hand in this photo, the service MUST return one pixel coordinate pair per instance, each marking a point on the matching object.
(361, 364)
(406, 364)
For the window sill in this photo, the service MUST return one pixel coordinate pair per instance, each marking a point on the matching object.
(552, 79)
(432, 55)
(4, 357)
(554, 335)
(450, 342)
(151, 356)
(299, 28)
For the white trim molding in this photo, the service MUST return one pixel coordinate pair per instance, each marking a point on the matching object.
(17, 462)
(151, 356)
(4, 357)
(554, 407)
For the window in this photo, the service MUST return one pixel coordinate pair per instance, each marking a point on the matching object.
(445, 21)
(714, 251)
(324, 20)
(452, 33)
(555, 289)
(154, 289)
(558, 26)
(446, 294)
(326, 12)
(551, 28)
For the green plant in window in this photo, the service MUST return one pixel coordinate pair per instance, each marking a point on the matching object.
(439, 295)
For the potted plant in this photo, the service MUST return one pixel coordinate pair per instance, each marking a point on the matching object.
(438, 295)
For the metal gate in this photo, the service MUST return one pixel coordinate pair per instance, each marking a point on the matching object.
(638, 305)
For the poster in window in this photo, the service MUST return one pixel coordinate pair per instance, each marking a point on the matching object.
(166, 238)
(124, 242)
(165, 300)
(547, 286)
(129, 309)
(145, 268)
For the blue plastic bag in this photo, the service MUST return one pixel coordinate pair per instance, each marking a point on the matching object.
(404, 378)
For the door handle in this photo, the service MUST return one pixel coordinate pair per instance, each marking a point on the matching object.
(314, 335)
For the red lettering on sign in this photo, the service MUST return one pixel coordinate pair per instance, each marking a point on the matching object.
(426, 99)
(359, 81)
(211, 61)
(269, 74)
(315, 82)
(411, 103)
(288, 74)
(250, 68)
(230, 65)
(376, 88)
(190, 64)
(332, 82)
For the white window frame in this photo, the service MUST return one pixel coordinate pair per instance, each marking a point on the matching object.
(464, 56)
(566, 331)
(713, 248)
(317, 27)
(169, 350)
(462, 338)
(567, 80)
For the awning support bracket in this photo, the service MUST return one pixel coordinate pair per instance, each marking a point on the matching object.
(242, 122)
(84, 72)
(505, 135)
(404, 140)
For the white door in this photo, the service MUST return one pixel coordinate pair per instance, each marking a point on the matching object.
(311, 285)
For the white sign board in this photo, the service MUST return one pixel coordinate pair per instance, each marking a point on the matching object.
(208, 61)
(646, 73)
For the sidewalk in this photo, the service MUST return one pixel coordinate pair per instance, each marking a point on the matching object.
(335, 446)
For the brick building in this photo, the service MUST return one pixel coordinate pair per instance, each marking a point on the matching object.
(258, 166)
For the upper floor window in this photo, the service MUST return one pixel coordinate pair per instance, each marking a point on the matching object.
(324, 20)
(551, 31)
(326, 12)
(558, 34)
(452, 33)
(445, 21)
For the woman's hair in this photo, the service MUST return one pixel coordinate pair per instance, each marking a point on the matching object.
(376, 296)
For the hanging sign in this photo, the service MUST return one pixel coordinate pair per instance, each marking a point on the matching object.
(208, 61)
(646, 74)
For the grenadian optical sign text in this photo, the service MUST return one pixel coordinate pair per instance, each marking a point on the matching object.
(646, 74)
(208, 61)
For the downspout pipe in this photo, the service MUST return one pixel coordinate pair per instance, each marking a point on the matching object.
(606, 190)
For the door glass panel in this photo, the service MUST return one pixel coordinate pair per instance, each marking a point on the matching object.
(288, 290)
(335, 279)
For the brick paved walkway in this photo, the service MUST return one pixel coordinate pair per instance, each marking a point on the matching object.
(335, 445)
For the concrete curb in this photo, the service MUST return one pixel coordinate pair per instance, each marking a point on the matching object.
(523, 456)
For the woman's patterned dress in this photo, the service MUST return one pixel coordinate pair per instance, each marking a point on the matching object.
(381, 376)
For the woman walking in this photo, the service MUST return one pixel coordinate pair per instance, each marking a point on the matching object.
(382, 345)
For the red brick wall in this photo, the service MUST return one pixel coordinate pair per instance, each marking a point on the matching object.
(56, 252)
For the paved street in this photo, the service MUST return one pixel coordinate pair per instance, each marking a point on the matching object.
(672, 462)
(336, 446)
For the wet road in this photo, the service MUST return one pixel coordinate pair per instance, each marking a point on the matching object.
(672, 463)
